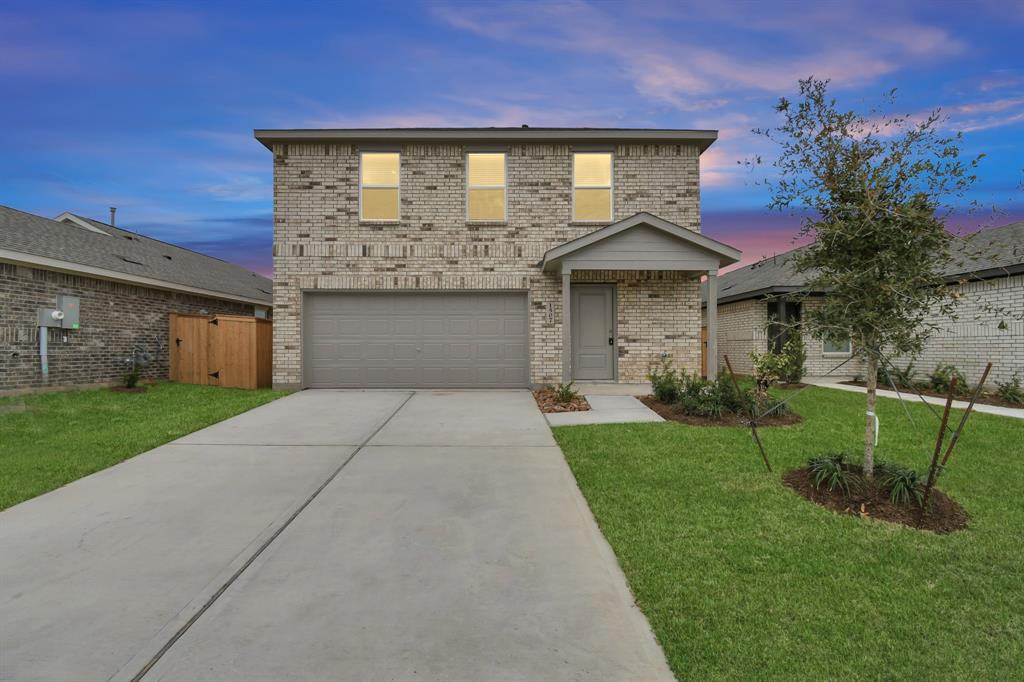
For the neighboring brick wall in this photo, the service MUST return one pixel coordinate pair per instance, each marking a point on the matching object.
(967, 342)
(741, 330)
(975, 337)
(114, 318)
(319, 242)
(820, 365)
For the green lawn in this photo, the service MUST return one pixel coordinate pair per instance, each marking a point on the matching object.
(742, 579)
(50, 439)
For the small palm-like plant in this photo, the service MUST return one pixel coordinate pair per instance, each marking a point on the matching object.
(829, 471)
(564, 393)
(904, 484)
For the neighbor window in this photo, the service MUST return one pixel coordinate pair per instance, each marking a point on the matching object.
(836, 347)
(485, 186)
(592, 186)
(378, 186)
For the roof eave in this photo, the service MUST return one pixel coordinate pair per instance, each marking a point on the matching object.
(702, 138)
(55, 264)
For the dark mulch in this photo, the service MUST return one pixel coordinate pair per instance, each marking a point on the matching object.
(673, 413)
(985, 398)
(546, 402)
(125, 389)
(944, 515)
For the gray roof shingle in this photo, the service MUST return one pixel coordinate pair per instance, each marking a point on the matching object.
(993, 252)
(127, 253)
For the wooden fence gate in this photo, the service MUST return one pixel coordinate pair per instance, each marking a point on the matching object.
(233, 351)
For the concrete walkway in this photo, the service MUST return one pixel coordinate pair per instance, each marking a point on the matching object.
(1016, 413)
(606, 409)
(328, 535)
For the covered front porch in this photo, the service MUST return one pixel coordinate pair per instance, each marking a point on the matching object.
(630, 293)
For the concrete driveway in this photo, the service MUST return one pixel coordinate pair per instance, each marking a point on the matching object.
(386, 535)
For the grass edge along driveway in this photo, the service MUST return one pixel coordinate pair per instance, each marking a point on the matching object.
(50, 439)
(741, 578)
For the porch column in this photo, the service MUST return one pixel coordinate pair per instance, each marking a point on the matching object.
(566, 324)
(712, 323)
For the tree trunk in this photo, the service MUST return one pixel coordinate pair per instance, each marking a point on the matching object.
(869, 428)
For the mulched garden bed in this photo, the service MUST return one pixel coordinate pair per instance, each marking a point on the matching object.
(944, 515)
(673, 413)
(546, 402)
(984, 398)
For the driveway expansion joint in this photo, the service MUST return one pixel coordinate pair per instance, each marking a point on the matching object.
(269, 541)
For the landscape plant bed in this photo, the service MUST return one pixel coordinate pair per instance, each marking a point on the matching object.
(674, 413)
(984, 398)
(547, 402)
(944, 514)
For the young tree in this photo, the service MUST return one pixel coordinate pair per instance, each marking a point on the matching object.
(876, 190)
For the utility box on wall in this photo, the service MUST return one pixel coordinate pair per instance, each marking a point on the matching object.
(64, 316)
(71, 307)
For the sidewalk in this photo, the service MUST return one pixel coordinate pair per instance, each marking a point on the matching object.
(1016, 413)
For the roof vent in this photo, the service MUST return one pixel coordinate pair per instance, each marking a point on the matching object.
(168, 257)
(525, 126)
(129, 260)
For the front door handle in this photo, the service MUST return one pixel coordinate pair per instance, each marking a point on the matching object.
(611, 341)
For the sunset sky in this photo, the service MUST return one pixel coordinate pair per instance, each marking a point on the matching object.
(150, 107)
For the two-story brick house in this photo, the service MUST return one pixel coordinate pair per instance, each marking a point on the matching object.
(487, 257)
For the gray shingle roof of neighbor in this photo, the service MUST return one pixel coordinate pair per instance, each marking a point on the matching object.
(104, 247)
(703, 138)
(993, 252)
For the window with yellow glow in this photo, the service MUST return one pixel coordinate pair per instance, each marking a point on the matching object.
(378, 185)
(485, 186)
(592, 186)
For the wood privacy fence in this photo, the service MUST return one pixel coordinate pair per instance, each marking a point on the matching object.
(233, 351)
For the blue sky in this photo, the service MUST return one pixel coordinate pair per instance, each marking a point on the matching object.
(150, 107)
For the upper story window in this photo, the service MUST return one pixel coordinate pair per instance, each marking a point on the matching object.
(378, 186)
(592, 186)
(485, 186)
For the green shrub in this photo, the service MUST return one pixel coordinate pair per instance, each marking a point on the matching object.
(666, 381)
(902, 483)
(564, 393)
(830, 471)
(894, 376)
(1011, 390)
(768, 368)
(794, 355)
(940, 379)
(716, 397)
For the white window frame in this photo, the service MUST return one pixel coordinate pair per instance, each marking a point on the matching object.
(396, 186)
(504, 188)
(838, 353)
(610, 186)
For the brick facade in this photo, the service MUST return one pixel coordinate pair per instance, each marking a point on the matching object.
(977, 336)
(320, 243)
(115, 317)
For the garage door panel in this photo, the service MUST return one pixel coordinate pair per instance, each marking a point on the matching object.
(399, 339)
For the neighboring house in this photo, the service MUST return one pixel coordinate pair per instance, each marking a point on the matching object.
(486, 257)
(749, 297)
(126, 285)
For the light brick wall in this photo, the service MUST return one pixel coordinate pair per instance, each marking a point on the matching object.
(741, 330)
(968, 342)
(320, 243)
(975, 337)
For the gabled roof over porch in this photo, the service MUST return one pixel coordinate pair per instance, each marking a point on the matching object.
(641, 242)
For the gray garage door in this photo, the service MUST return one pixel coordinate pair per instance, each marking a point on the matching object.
(415, 340)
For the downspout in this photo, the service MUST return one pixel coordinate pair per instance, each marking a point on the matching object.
(44, 365)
